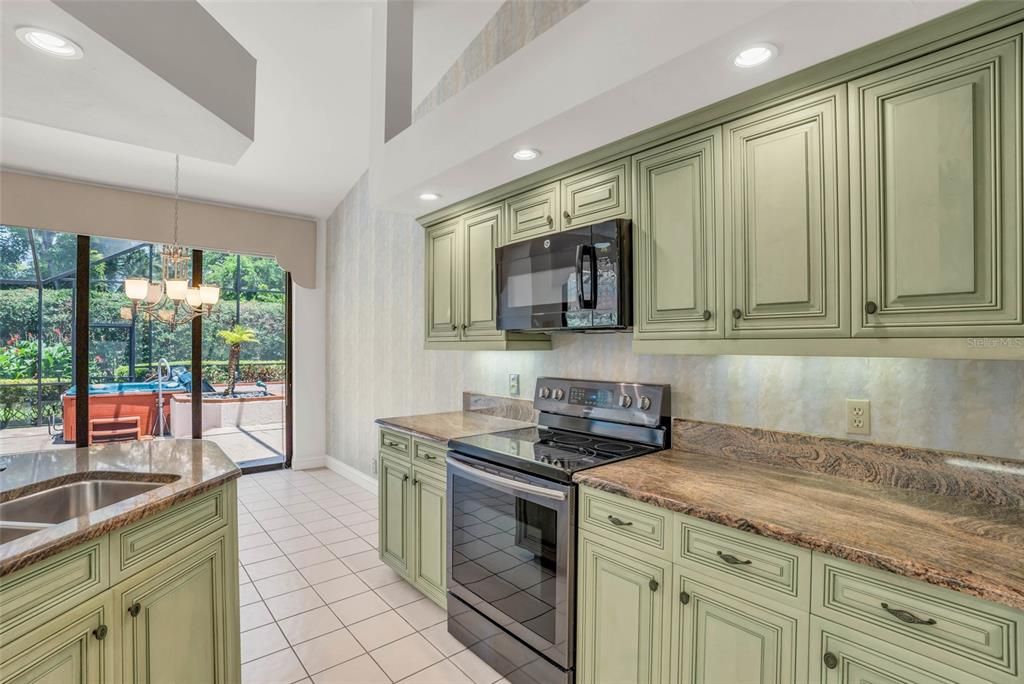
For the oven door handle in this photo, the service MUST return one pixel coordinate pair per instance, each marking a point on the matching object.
(514, 485)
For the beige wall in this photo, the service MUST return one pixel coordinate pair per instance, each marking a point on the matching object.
(377, 365)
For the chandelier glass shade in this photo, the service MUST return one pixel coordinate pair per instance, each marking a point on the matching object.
(172, 300)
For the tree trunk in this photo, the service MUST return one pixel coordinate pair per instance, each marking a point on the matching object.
(233, 353)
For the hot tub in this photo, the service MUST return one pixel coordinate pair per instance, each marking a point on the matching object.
(126, 410)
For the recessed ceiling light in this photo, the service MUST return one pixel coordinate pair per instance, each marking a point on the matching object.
(526, 154)
(429, 196)
(49, 42)
(755, 55)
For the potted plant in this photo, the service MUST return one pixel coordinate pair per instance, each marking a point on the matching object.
(235, 337)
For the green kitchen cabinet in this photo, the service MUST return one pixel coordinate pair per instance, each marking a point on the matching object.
(678, 239)
(724, 634)
(599, 194)
(839, 655)
(394, 516)
(428, 533)
(176, 618)
(624, 614)
(479, 237)
(442, 270)
(935, 152)
(787, 221)
(532, 213)
(76, 647)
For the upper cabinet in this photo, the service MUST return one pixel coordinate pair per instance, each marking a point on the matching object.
(787, 229)
(596, 195)
(678, 239)
(460, 285)
(533, 213)
(936, 188)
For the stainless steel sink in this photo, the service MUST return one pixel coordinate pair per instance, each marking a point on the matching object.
(10, 531)
(64, 502)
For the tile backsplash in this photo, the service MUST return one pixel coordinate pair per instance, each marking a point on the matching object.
(377, 365)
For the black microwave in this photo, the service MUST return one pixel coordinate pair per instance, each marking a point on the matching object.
(579, 279)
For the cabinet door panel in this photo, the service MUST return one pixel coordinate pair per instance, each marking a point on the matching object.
(533, 213)
(935, 154)
(442, 264)
(429, 515)
(179, 630)
(480, 237)
(624, 614)
(394, 513)
(679, 239)
(596, 195)
(724, 636)
(786, 220)
(65, 650)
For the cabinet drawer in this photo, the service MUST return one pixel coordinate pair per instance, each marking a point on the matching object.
(955, 629)
(137, 547)
(745, 559)
(429, 454)
(395, 442)
(596, 195)
(626, 521)
(38, 593)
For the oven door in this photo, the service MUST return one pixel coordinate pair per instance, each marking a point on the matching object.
(511, 552)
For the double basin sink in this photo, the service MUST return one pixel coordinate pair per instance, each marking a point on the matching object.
(41, 510)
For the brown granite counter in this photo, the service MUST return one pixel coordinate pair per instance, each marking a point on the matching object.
(186, 467)
(442, 427)
(956, 542)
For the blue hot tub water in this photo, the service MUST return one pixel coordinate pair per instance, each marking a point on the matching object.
(128, 387)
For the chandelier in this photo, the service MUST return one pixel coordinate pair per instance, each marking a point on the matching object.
(171, 301)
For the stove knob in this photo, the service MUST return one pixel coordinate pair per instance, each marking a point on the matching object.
(559, 394)
(545, 392)
(625, 401)
(645, 403)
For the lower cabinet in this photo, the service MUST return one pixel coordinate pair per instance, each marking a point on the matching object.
(624, 613)
(413, 516)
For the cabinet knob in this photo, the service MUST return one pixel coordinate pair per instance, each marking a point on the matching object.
(706, 315)
(737, 314)
(454, 327)
(567, 216)
(654, 585)
(100, 632)
(415, 482)
(871, 308)
(405, 478)
(830, 660)
(551, 221)
(463, 326)
(134, 609)
(684, 597)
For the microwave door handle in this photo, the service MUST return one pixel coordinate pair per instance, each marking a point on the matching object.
(588, 250)
(579, 276)
(514, 485)
(593, 276)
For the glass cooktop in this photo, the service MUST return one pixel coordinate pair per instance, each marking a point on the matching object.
(549, 452)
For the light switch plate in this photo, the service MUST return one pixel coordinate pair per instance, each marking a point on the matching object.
(513, 384)
(858, 416)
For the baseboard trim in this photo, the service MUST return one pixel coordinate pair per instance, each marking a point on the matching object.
(309, 463)
(359, 477)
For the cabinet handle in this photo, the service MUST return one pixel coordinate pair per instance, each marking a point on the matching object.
(429, 457)
(134, 609)
(871, 308)
(100, 632)
(551, 220)
(830, 660)
(405, 478)
(732, 560)
(737, 314)
(454, 327)
(463, 326)
(684, 597)
(706, 315)
(618, 521)
(653, 584)
(906, 616)
(415, 482)
(567, 216)
(394, 445)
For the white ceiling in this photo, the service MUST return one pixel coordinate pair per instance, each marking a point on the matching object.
(441, 31)
(312, 116)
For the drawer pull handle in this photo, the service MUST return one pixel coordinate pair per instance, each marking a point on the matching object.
(134, 609)
(394, 445)
(619, 522)
(653, 584)
(732, 560)
(100, 632)
(830, 660)
(429, 457)
(906, 616)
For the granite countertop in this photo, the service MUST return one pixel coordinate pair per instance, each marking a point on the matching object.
(442, 427)
(957, 542)
(187, 467)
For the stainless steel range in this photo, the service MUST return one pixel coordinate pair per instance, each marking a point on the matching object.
(512, 520)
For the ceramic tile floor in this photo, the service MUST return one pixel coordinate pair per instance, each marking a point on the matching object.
(317, 603)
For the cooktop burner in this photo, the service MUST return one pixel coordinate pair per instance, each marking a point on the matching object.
(550, 452)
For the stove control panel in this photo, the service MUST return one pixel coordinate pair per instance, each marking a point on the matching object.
(634, 403)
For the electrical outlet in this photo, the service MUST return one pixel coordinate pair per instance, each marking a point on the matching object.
(513, 384)
(858, 416)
